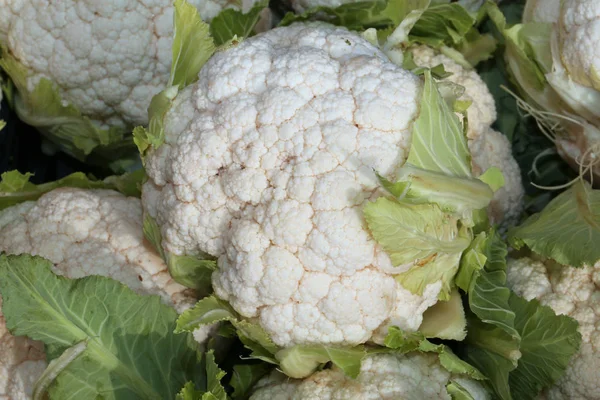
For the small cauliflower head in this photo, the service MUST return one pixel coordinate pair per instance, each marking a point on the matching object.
(488, 147)
(578, 33)
(546, 11)
(106, 58)
(382, 377)
(267, 163)
(83, 232)
(573, 292)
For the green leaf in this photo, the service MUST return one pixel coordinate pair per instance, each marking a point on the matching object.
(410, 233)
(472, 261)
(131, 351)
(493, 177)
(214, 376)
(61, 122)
(567, 230)
(444, 23)
(230, 23)
(244, 377)
(207, 311)
(189, 271)
(402, 342)
(442, 268)
(189, 392)
(192, 44)
(439, 143)
(301, 361)
(445, 319)
(548, 341)
(16, 187)
(457, 392)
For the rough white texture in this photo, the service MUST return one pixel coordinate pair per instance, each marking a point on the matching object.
(541, 11)
(83, 232)
(267, 164)
(108, 58)
(382, 377)
(573, 292)
(488, 147)
(579, 32)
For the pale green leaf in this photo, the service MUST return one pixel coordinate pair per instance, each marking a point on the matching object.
(493, 177)
(413, 233)
(458, 392)
(439, 143)
(567, 230)
(207, 311)
(230, 23)
(445, 319)
(192, 44)
(301, 361)
(131, 352)
(16, 187)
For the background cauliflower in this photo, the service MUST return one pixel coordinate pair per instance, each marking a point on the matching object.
(572, 292)
(83, 232)
(488, 147)
(385, 376)
(106, 59)
(267, 162)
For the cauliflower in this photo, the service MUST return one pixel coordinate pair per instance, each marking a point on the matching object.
(384, 376)
(106, 59)
(267, 163)
(488, 147)
(572, 292)
(83, 232)
(541, 11)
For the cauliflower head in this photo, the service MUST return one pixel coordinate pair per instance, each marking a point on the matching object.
(83, 232)
(105, 58)
(578, 28)
(488, 147)
(267, 162)
(541, 11)
(572, 292)
(384, 376)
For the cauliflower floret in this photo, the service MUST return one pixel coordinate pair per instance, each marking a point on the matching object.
(573, 292)
(488, 147)
(107, 58)
(388, 376)
(267, 163)
(83, 232)
(578, 28)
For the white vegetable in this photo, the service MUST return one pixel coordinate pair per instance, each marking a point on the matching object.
(105, 58)
(389, 376)
(267, 162)
(573, 292)
(83, 232)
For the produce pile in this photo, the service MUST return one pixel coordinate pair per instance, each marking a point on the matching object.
(301, 199)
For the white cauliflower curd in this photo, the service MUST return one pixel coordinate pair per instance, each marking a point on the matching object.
(267, 162)
(488, 147)
(572, 292)
(106, 59)
(83, 232)
(385, 377)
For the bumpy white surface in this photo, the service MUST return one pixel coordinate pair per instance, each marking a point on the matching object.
(267, 164)
(573, 292)
(108, 58)
(488, 147)
(579, 33)
(541, 11)
(382, 377)
(83, 232)
(493, 149)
